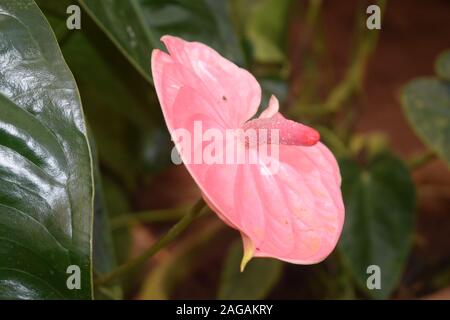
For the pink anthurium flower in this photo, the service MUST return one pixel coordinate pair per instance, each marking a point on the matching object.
(294, 213)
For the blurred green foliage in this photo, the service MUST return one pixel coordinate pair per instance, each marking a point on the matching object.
(121, 108)
(136, 26)
(104, 253)
(110, 59)
(252, 33)
(179, 264)
(379, 205)
(426, 103)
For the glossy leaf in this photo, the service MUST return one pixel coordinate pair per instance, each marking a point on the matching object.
(120, 107)
(426, 103)
(46, 191)
(378, 229)
(255, 282)
(135, 26)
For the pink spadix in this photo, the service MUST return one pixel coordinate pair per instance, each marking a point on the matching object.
(295, 214)
(289, 132)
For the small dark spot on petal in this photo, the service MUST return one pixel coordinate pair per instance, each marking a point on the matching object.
(224, 98)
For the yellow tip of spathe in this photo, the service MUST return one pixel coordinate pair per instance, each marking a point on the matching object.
(248, 254)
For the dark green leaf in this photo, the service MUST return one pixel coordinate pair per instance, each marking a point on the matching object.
(136, 25)
(121, 108)
(115, 112)
(426, 103)
(258, 278)
(119, 206)
(379, 222)
(124, 24)
(46, 192)
(207, 21)
(104, 257)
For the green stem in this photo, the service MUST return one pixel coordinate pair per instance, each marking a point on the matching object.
(310, 49)
(313, 13)
(160, 215)
(421, 159)
(354, 74)
(176, 230)
(344, 90)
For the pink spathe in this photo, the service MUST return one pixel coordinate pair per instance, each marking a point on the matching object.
(295, 215)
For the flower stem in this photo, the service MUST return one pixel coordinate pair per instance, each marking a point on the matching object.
(352, 81)
(160, 215)
(420, 160)
(355, 72)
(176, 230)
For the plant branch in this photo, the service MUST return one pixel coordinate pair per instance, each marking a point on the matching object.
(160, 215)
(419, 160)
(355, 71)
(176, 230)
(353, 78)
